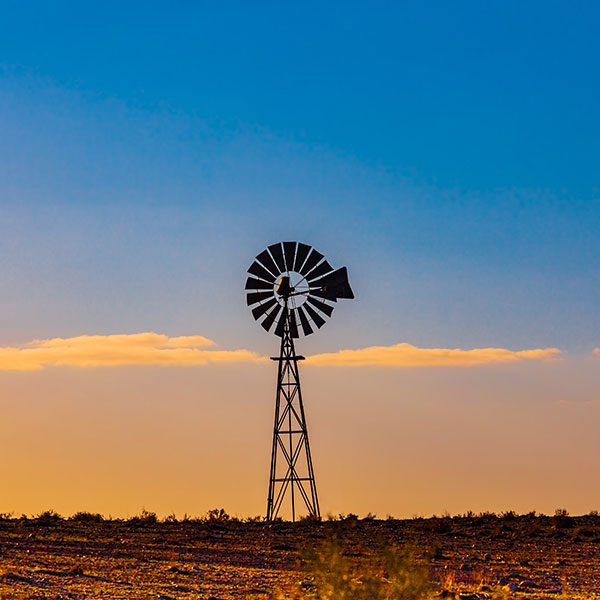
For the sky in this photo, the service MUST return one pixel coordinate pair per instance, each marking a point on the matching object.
(446, 154)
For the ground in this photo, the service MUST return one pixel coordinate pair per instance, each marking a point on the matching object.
(471, 557)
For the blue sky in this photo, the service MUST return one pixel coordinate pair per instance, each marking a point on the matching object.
(447, 153)
(475, 95)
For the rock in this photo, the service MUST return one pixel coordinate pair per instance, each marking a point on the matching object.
(76, 570)
(448, 595)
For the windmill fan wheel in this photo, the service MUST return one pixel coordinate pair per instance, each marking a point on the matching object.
(294, 281)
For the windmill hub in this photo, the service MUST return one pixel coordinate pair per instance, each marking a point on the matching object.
(292, 287)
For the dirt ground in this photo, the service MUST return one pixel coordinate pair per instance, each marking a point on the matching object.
(471, 558)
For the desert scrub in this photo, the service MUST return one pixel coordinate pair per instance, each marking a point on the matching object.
(86, 517)
(48, 517)
(144, 518)
(391, 574)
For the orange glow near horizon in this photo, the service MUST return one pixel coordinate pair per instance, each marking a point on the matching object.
(510, 435)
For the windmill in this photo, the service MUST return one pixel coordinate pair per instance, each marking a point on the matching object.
(291, 288)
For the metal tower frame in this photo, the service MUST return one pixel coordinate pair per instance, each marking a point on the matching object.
(290, 435)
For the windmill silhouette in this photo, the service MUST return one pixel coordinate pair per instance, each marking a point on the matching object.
(292, 288)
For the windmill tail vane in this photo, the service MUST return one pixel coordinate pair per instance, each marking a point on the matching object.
(292, 289)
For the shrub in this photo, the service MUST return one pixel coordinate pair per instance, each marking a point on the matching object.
(392, 575)
(487, 515)
(309, 519)
(145, 518)
(348, 517)
(370, 517)
(561, 519)
(256, 519)
(217, 515)
(86, 517)
(48, 517)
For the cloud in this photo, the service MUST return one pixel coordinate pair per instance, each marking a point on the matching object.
(148, 339)
(407, 355)
(116, 350)
(191, 350)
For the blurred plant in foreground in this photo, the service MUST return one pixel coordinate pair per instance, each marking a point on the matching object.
(392, 574)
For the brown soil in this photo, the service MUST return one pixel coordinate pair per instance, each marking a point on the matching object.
(469, 557)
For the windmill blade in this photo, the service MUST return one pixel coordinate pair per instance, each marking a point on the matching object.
(335, 285)
(265, 258)
(277, 254)
(317, 319)
(313, 258)
(281, 323)
(289, 250)
(323, 268)
(261, 309)
(268, 322)
(306, 328)
(301, 254)
(254, 297)
(257, 284)
(259, 271)
(325, 293)
(293, 325)
(324, 308)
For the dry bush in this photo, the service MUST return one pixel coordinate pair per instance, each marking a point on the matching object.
(48, 517)
(309, 519)
(145, 518)
(255, 519)
(172, 518)
(86, 517)
(217, 515)
(393, 574)
(562, 520)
